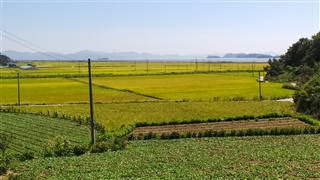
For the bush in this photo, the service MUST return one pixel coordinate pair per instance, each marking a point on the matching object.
(100, 147)
(58, 146)
(5, 140)
(28, 155)
(79, 150)
(112, 144)
(5, 162)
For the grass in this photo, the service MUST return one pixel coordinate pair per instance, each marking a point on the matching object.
(51, 68)
(31, 133)
(274, 157)
(115, 115)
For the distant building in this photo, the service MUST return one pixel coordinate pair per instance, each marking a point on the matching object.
(28, 67)
(12, 64)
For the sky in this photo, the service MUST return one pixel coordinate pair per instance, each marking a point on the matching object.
(158, 27)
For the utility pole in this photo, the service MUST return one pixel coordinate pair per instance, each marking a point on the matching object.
(252, 69)
(19, 101)
(91, 103)
(196, 64)
(259, 80)
(79, 67)
(147, 66)
(135, 65)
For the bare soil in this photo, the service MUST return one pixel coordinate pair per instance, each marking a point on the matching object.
(227, 126)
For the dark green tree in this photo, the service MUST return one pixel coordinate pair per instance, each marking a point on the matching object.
(307, 99)
(4, 60)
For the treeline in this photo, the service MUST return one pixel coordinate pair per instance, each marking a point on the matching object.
(300, 64)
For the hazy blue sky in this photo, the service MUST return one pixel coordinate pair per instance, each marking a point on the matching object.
(170, 27)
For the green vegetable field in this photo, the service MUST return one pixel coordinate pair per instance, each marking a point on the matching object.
(271, 157)
(31, 133)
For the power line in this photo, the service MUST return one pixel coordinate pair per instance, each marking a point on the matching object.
(26, 46)
(32, 45)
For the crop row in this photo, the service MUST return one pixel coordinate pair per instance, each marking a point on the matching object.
(80, 120)
(223, 133)
(231, 118)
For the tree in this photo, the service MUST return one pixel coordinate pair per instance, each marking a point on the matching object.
(296, 53)
(275, 68)
(307, 99)
(4, 60)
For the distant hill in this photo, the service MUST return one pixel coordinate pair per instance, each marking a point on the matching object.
(213, 57)
(97, 55)
(243, 55)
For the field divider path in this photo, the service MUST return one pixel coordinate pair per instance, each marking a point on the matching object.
(116, 89)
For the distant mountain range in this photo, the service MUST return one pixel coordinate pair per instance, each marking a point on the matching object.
(95, 55)
(243, 55)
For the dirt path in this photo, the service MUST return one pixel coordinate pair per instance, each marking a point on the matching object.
(216, 126)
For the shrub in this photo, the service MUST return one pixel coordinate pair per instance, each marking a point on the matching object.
(100, 147)
(309, 120)
(28, 155)
(79, 150)
(112, 144)
(5, 162)
(58, 146)
(238, 98)
(5, 140)
(174, 135)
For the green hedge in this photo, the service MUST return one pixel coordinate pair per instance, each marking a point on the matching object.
(195, 121)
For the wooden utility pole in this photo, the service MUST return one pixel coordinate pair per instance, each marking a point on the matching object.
(19, 100)
(252, 69)
(196, 64)
(260, 96)
(135, 65)
(91, 103)
(79, 66)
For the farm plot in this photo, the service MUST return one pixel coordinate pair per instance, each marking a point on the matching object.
(58, 91)
(219, 126)
(74, 68)
(195, 86)
(258, 157)
(115, 115)
(30, 132)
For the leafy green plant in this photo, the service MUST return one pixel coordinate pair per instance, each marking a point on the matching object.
(58, 146)
(27, 155)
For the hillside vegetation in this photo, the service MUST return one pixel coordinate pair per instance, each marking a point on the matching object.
(301, 64)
